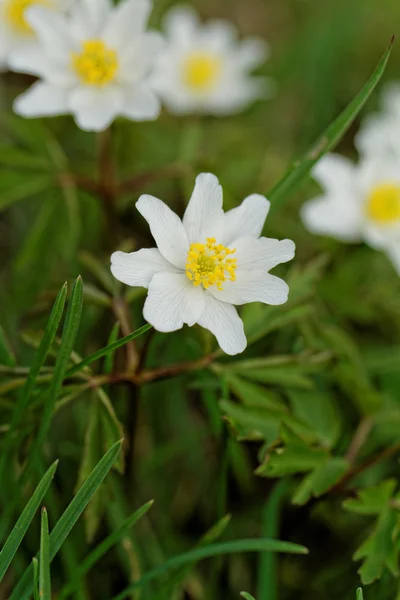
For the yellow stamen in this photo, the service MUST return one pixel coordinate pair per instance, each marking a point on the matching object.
(383, 205)
(96, 64)
(200, 71)
(209, 264)
(14, 12)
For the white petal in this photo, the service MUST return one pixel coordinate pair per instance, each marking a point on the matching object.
(252, 286)
(224, 322)
(247, 219)
(166, 228)
(89, 18)
(251, 53)
(42, 99)
(181, 25)
(137, 58)
(140, 103)
(95, 109)
(172, 301)
(263, 253)
(336, 217)
(127, 20)
(53, 32)
(218, 35)
(393, 253)
(138, 268)
(203, 215)
(391, 98)
(334, 173)
(34, 60)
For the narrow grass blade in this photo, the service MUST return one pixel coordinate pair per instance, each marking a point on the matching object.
(44, 562)
(38, 361)
(331, 136)
(108, 349)
(7, 357)
(359, 594)
(17, 534)
(109, 359)
(247, 596)
(251, 545)
(70, 516)
(35, 567)
(101, 549)
(70, 331)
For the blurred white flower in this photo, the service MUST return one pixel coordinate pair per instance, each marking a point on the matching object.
(93, 63)
(360, 203)
(205, 69)
(15, 31)
(206, 263)
(379, 133)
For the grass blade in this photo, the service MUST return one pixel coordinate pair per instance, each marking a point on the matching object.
(38, 361)
(247, 596)
(17, 534)
(44, 563)
(328, 140)
(108, 349)
(35, 567)
(359, 594)
(70, 331)
(213, 550)
(102, 548)
(70, 516)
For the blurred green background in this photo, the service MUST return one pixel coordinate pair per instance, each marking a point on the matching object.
(339, 333)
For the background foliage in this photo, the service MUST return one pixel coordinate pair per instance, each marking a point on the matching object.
(307, 446)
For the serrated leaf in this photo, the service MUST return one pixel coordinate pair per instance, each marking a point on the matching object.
(321, 480)
(254, 395)
(319, 411)
(371, 500)
(295, 457)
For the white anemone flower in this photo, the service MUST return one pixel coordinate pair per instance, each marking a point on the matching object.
(360, 203)
(206, 263)
(15, 30)
(205, 69)
(93, 63)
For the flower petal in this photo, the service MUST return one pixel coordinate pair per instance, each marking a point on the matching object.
(41, 99)
(252, 286)
(95, 109)
(166, 228)
(203, 215)
(89, 18)
(247, 219)
(172, 301)
(224, 322)
(181, 25)
(140, 103)
(128, 19)
(53, 32)
(137, 59)
(138, 268)
(393, 253)
(334, 173)
(251, 53)
(262, 253)
(339, 218)
(32, 59)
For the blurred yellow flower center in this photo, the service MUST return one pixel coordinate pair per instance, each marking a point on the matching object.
(209, 264)
(96, 64)
(14, 11)
(200, 71)
(383, 203)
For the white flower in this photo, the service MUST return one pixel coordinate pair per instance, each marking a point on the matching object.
(360, 203)
(380, 132)
(93, 63)
(205, 69)
(205, 263)
(15, 31)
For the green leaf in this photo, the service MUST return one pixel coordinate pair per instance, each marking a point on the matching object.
(38, 362)
(70, 516)
(6, 355)
(35, 567)
(109, 359)
(101, 549)
(319, 411)
(17, 534)
(252, 423)
(247, 596)
(371, 500)
(321, 480)
(212, 550)
(108, 349)
(254, 395)
(359, 594)
(328, 140)
(44, 561)
(70, 330)
(15, 187)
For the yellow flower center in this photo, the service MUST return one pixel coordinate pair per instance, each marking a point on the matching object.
(96, 64)
(209, 264)
(200, 71)
(14, 12)
(383, 203)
